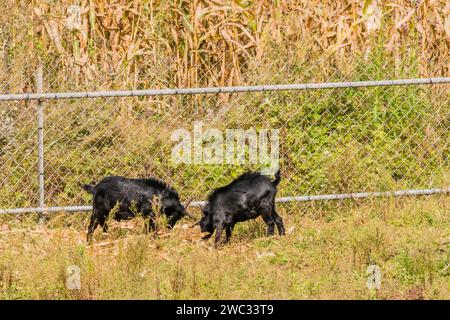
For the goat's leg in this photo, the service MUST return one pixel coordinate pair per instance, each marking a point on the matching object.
(150, 221)
(228, 231)
(103, 224)
(145, 208)
(207, 236)
(92, 225)
(219, 229)
(278, 221)
(267, 217)
(151, 224)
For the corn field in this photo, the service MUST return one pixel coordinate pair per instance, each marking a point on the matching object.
(141, 44)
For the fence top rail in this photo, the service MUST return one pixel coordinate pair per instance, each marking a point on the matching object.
(215, 90)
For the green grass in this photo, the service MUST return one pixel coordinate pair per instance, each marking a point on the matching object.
(324, 255)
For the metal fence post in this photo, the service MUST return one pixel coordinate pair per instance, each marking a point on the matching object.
(40, 113)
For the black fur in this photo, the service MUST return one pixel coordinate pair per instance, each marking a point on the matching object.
(131, 196)
(247, 197)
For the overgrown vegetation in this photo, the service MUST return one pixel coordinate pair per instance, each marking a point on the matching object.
(183, 43)
(324, 255)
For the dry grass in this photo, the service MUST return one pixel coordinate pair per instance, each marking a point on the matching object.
(324, 255)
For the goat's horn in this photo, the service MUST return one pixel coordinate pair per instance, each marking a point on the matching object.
(190, 215)
(195, 224)
(186, 205)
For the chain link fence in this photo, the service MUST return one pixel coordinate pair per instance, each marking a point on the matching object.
(336, 140)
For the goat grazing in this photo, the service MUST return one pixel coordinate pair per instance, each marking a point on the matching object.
(247, 197)
(129, 196)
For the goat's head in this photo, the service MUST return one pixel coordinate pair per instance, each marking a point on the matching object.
(206, 222)
(172, 208)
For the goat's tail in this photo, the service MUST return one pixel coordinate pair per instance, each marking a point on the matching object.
(88, 187)
(277, 178)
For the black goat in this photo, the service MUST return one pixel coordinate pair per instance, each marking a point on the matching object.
(130, 196)
(247, 197)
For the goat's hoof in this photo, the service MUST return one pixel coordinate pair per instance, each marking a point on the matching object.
(204, 238)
